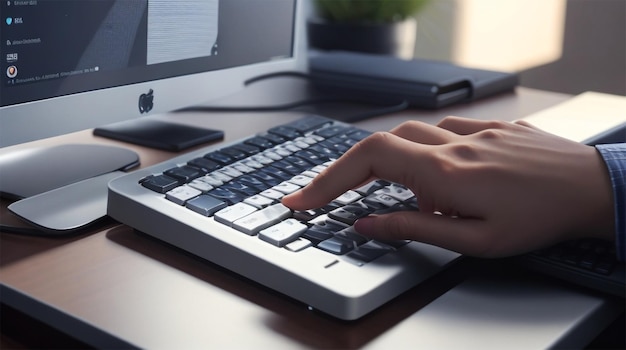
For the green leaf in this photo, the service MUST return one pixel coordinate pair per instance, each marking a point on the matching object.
(368, 10)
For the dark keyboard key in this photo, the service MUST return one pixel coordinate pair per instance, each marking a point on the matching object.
(604, 267)
(308, 124)
(260, 142)
(276, 139)
(351, 235)
(331, 206)
(350, 142)
(206, 205)
(285, 132)
(331, 131)
(184, 173)
(308, 215)
(317, 236)
(336, 147)
(601, 248)
(371, 207)
(411, 204)
(342, 139)
(160, 183)
(359, 135)
(252, 181)
(336, 245)
(247, 148)
(570, 258)
(328, 226)
(372, 187)
(349, 214)
(219, 157)
(369, 251)
(278, 173)
(267, 177)
(226, 195)
(234, 152)
(287, 167)
(300, 163)
(395, 243)
(585, 244)
(314, 158)
(203, 163)
(240, 187)
(556, 253)
(588, 261)
(326, 152)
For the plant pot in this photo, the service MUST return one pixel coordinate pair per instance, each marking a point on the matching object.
(395, 38)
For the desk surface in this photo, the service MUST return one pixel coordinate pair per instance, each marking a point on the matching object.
(112, 286)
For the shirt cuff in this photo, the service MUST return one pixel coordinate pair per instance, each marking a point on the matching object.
(614, 156)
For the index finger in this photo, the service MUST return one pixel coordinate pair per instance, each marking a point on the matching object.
(423, 133)
(381, 155)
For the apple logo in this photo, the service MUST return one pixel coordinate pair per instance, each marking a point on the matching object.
(146, 102)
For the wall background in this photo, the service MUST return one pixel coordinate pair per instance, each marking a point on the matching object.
(594, 51)
(566, 46)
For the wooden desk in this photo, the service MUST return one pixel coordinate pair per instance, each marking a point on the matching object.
(113, 287)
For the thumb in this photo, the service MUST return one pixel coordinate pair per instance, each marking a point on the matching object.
(466, 236)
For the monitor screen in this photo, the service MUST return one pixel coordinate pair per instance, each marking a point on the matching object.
(69, 65)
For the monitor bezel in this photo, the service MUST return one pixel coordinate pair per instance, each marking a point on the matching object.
(55, 116)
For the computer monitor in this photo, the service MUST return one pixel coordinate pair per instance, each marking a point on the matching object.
(71, 65)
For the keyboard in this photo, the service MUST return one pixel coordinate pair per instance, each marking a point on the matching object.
(222, 203)
(588, 262)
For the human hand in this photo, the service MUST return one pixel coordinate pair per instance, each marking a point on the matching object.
(484, 188)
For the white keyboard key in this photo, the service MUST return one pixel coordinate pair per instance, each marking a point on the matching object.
(230, 171)
(309, 173)
(262, 159)
(383, 199)
(242, 168)
(181, 194)
(283, 232)
(212, 180)
(261, 219)
(286, 187)
(235, 212)
(292, 147)
(220, 176)
(253, 163)
(272, 194)
(298, 245)
(348, 197)
(300, 144)
(200, 185)
(282, 151)
(318, 168)
(400, 193)
(259, 201)
(309, 140)
(272, 155)
(301, 180)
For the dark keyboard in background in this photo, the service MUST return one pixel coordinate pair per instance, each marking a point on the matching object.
(588, 262)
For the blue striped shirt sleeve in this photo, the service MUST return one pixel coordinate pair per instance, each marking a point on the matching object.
(615, 158)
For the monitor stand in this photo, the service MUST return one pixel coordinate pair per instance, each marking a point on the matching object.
(158, 134)
(31, 171)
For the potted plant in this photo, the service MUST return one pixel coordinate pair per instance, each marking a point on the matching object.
(373, 26)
